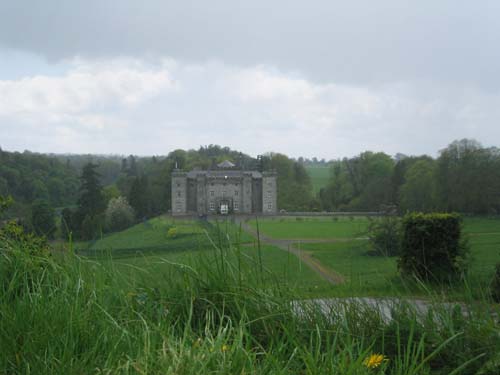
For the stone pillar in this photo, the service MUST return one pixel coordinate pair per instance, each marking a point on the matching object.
(179, 193)
(247, 194)
(201, 192)
(269, 193)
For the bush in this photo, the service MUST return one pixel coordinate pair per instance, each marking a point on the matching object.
(432, 247)
(495, 284)
(24, 258)
(43, 219)
(172, 232)
(119, 214)
(384, 235)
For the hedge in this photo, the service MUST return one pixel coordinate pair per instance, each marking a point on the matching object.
(432, 247)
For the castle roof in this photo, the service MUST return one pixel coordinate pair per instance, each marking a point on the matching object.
(226, 164)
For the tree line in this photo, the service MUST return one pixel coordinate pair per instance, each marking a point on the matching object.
(91, 194)
(464, 178)
(80, 189)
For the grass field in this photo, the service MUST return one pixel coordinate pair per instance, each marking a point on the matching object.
(345, 252)
(312, 228)
(319, 177)
(216, 312)
(147, 248)
(144, 251)
(151, 236)
(379, 276)
(278, 267)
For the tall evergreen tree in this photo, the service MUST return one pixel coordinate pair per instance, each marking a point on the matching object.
(139, 197)
(91, 201)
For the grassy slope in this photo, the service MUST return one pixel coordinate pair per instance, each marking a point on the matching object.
(319, 177)
(145, 251)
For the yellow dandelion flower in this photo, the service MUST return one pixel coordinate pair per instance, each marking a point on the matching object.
(374, 360)
(224, 348)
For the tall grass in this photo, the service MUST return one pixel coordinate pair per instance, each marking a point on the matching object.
(221, 313)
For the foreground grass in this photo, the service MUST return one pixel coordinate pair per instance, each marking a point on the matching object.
(222, 313)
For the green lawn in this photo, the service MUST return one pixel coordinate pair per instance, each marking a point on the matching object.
(378, 275)
(152, 235)
(311, 228)
(235, 233)
(319, 177)
(363, 274)
(146, 251)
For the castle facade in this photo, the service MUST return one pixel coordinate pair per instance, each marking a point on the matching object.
(224, 190)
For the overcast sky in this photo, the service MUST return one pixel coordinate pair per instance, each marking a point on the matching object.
(312, 78)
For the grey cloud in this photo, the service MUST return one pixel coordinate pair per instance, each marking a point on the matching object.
(253, 109)
(359, 42)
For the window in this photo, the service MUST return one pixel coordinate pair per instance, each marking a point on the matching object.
(178, 185)
(236, 206)
(269, 206)
(179, 194)
(211, 193)
(236, 193)
(223, 193)
(212, 206)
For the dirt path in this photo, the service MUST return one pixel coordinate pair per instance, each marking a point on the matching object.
(291, 246)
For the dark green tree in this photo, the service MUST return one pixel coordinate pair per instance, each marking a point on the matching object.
(139, 197)
(418, 192)
(91, 201)
(43, 219)
(91, 204)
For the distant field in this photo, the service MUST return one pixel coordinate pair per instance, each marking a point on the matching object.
(312, 228)
(319, 177)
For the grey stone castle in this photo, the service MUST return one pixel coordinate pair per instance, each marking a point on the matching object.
(223, 190)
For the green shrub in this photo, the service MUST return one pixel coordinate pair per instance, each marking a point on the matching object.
(432, 247)
(43, 218)
(119, 215)
(172, 232)
(24, 259)
(384, 235)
